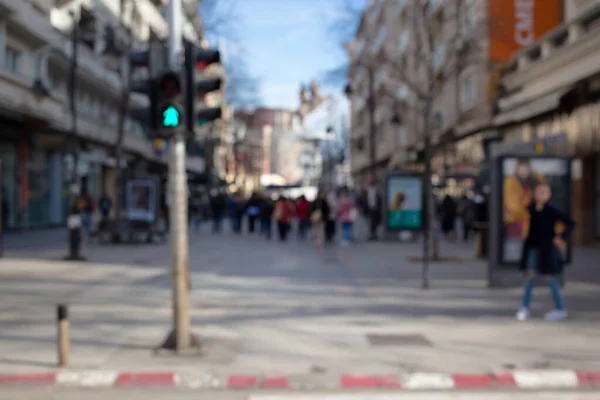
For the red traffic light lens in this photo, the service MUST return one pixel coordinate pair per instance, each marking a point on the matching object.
(170, 86)
(201, 65)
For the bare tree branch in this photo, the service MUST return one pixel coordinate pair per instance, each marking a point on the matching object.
(221, 22)
(342, 29)
(220, 19)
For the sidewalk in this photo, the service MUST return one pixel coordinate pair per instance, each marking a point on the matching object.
(35, 239)
(266, 308)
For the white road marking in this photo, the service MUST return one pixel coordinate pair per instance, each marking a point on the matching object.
(546, 379)
(87, 378)
(423, 380)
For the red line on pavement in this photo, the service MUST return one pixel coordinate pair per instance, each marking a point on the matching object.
(46, 378)
(275, 382)
(144, 379)
(505, 379)
(472, 381)
(357, 381)
(589, 378)
(242, 381)
(390, 382)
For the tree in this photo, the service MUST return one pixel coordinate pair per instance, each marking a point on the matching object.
(221, 23)
(342, 29)
(424, 70)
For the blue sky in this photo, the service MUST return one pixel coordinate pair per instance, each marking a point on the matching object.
(287, 43)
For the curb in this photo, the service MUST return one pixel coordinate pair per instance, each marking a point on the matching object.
(525, 379)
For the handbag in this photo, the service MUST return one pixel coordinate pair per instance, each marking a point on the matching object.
(353, 214)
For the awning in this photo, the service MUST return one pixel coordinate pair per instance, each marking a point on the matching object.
(515, 110)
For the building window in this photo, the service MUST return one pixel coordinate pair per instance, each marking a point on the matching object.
(13, 60)
(438, 56)
(467, 95)
(469, 18)
(403, 43)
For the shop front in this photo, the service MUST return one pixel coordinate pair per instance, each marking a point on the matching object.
(575, 134)
(10, 189)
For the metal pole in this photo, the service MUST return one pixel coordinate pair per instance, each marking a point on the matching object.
(74, 219)
(428, 194)
(178, 196)
(63, 336)
(372, 124)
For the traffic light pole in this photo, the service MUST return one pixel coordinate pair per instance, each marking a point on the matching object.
(74, 190)
(178, 201)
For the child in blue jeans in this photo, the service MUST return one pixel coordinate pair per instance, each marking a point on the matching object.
(540, 251)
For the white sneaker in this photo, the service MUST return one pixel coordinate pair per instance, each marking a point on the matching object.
(556, 315)
(522, 314)
(345, 243)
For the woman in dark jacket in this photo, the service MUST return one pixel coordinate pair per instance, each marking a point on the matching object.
(448, 216)
(541, 254)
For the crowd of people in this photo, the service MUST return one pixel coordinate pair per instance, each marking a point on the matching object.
(329, 215)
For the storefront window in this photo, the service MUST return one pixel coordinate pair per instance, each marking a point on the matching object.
(38, 198)
(8, 157)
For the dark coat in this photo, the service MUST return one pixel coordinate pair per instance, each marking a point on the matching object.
(550, 261)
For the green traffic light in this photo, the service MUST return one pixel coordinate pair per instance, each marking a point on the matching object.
(171, 117)
(201, 123)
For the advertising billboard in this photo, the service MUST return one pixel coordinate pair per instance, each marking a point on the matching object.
(404, 202)
(519, 177)
(516, 24)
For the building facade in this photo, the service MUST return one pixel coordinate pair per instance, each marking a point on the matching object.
(551, 89)
(402, 58)
(35, 47)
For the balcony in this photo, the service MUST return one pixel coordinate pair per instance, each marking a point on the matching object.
(541, 74)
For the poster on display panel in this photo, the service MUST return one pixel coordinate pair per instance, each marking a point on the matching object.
(519, 177)
(404, 202)
(141, 200)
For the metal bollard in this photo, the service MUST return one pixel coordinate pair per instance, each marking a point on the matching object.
(64, 342)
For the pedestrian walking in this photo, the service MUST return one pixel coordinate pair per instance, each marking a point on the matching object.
(466, 210)
(347, 213)
(218, 206)
(542, 251)
(195, 211)
(374, 208)
(284, 215)
(253, 211)
(266, 216)
(303, 216)
(105, 206)
(320, 211)
(331, 220)
(448, 216)
(238, 208)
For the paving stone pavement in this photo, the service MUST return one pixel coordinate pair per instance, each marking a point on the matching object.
(264, 308)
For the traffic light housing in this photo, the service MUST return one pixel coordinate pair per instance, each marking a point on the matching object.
(154, 59)
(196, 60)
(169, 111)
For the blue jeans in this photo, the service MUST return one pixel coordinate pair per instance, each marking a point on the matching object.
(347, 231)
(553, 282)
(217, 222)
(266, 227)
